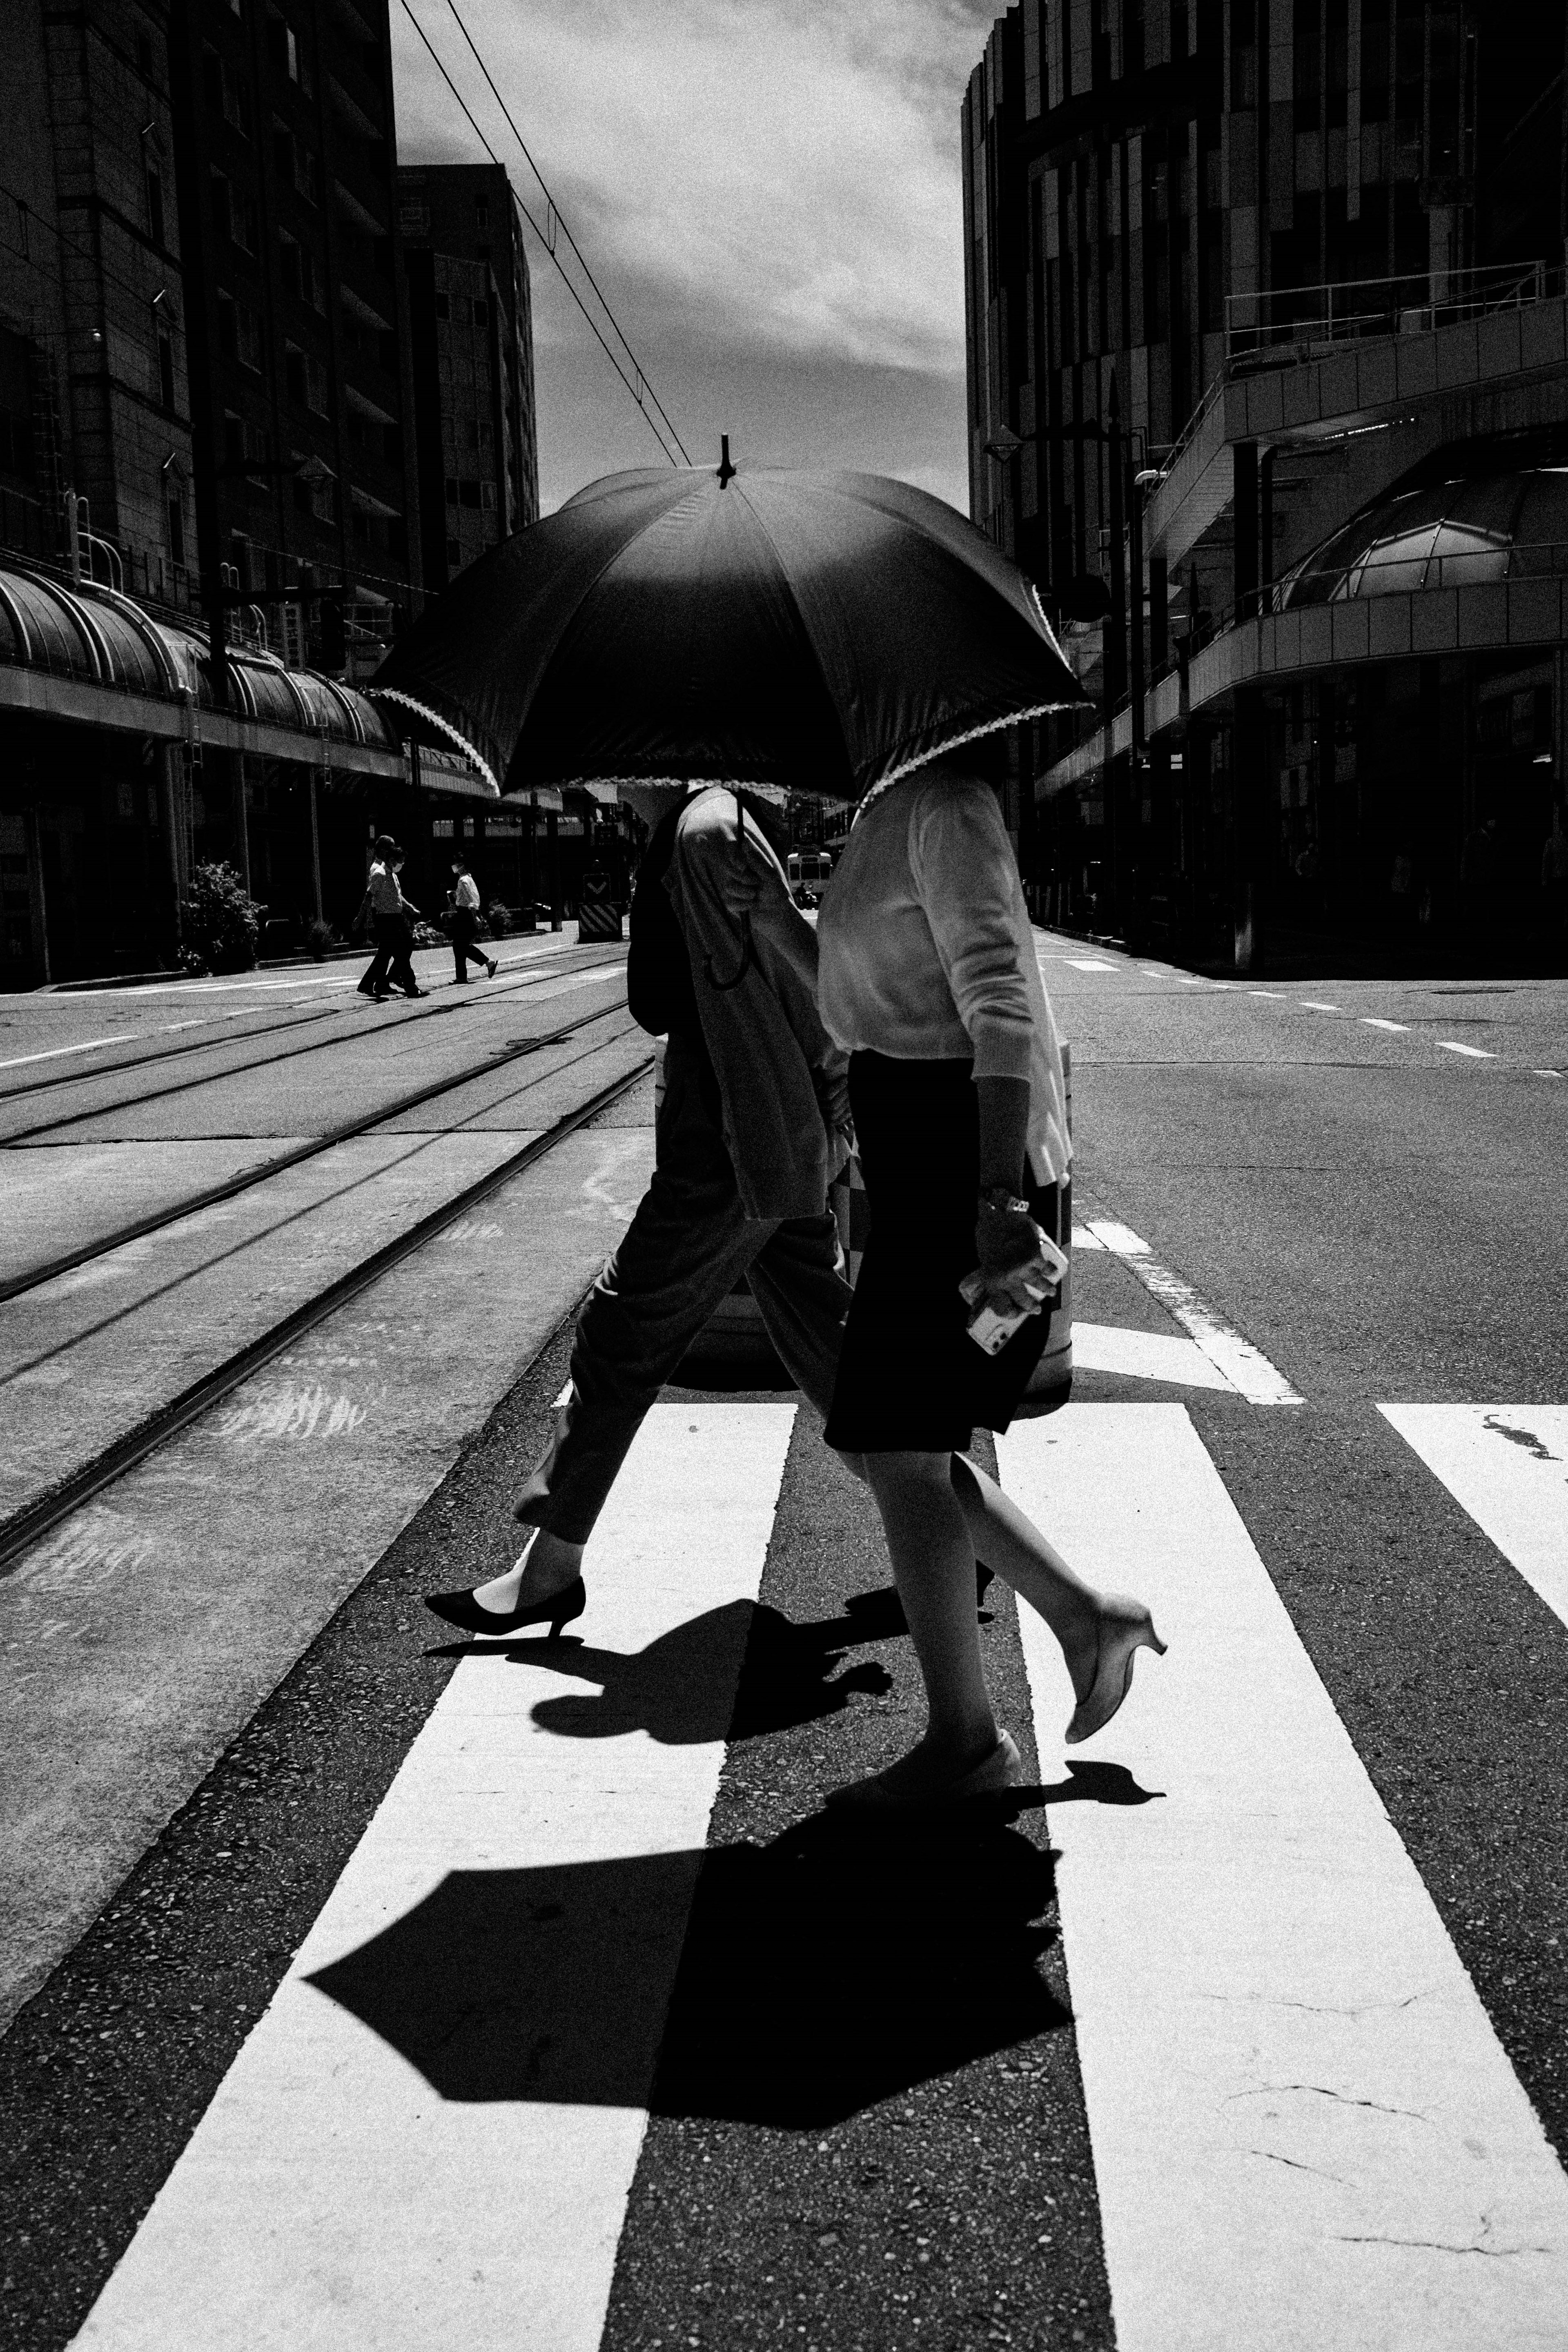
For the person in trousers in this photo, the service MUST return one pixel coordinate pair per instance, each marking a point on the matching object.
(930, 983)
(466, 922)
(392, 915)
(748, 1134)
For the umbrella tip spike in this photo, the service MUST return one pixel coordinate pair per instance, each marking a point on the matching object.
(726, 471)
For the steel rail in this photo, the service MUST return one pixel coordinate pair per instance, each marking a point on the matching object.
(26, 1526)
(262, 1061)
(246, 1178)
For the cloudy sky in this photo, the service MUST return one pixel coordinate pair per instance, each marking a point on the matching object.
(768, 191)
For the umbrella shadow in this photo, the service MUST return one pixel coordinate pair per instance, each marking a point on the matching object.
(682, 1689)
(792, 1985)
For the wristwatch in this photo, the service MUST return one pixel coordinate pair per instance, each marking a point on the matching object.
(1005, 1201)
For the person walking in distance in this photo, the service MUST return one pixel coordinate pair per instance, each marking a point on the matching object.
(928, 980)
(750, 1132)
(391, 913)
(466, 922)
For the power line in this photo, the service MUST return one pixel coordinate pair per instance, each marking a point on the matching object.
(549, 246)
(556, 215)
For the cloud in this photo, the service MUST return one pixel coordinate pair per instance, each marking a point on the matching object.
(768, 193)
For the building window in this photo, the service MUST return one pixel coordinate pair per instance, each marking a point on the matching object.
(488, 497)
(481, 212)
(166, 369)
(177, 527)
(454, 551)
(481, 311)
(155, 203)
(443, 306)
(451, 489)
(468, 493)
(143, 53)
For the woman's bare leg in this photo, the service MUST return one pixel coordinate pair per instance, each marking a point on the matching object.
(1013, 1548)
(934, 1568)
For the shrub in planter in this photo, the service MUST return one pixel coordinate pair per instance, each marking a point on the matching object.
(320, 938)
(498, 919)
(220, 921)
(426, 935)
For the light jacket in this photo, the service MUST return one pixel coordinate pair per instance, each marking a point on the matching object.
(782, 1084)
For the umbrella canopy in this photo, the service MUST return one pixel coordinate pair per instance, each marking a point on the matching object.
(819, 631)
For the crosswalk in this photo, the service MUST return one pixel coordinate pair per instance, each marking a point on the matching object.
(1305, 2131)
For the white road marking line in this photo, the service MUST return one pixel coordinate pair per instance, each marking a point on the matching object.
(1370, 1021)
(1275, 993)
(1506, 1465)
(1143, 1356)
(1301, 2118)
(53, 1052)
(1246, 1368)
(1546, 1074)
(1476, 1053)
(1088, 964)
(1189, 979)
(332, 2199)
(1082, 1239)
(1310, 1004)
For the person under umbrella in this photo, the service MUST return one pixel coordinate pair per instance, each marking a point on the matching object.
(929, 981)
(749, 1134)
(770, 626)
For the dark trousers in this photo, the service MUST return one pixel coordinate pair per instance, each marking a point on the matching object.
(684, 1251)
(393, 941)
(464, 924)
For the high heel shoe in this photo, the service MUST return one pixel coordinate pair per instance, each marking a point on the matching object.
(470, 1616)
(1124, 1628)
(1000, 1769)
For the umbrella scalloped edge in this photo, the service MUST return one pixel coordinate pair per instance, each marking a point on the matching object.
(955, 743)
(395, 694)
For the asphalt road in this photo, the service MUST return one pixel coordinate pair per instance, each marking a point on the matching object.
(867, 2126)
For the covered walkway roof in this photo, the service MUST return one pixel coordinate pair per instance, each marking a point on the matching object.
(91, 654)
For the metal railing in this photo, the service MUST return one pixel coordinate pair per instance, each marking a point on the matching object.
(1281, 325)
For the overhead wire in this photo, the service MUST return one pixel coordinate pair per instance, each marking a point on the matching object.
(565, 278)
(555, 214)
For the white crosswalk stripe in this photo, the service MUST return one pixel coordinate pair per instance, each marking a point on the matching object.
(1507, 1464)
(333, 2197)
(1302, 2117)
(1305, 2131)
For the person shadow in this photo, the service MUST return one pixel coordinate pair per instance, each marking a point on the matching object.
(682, 1689)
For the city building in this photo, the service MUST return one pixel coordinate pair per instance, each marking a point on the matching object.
(471, 336)
(302, 396)
(95, 420)
(1268, 388)
(207, 493)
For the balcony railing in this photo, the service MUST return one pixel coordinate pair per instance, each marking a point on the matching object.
(1284, 325)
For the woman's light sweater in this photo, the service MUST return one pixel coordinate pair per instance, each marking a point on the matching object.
(926, 951)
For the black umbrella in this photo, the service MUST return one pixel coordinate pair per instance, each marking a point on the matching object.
(819, 631)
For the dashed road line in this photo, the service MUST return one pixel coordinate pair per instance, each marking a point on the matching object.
(1370, 1021)
(1311, 1004)
(1476, 1053)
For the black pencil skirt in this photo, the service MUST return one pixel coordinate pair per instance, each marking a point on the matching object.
(910, 1377)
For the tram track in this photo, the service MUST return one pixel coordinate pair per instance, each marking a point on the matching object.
(34, 1519)
(493, 994)
(156, 1220)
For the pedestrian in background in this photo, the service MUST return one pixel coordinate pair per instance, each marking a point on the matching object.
(466, 922)
(392, 915)
(930, 981)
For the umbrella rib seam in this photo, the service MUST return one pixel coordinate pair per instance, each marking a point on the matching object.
(411, 702)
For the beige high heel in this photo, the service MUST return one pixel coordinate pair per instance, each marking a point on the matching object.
(1124, 1628)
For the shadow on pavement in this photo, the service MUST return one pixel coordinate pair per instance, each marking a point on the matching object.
(811, 1978)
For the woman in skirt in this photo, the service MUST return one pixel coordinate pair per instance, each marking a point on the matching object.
(928, 978)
